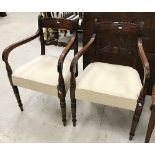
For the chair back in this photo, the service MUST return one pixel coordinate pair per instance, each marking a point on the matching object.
(55, 23)
(116, 42)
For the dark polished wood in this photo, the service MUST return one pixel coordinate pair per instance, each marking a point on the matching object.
(3, 14)
(5, 56)
(73, 70)
(72, 43)
(148, 34)
(152, 118)
(51, 34)
(116, 43)
(59, 23)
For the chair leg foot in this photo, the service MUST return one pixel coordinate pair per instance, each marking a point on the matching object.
(64, 123)
(21, 108)
(135, 120)
(74, 123)
(16, 92)
(63, 111)
(131, 136)
(73, 108)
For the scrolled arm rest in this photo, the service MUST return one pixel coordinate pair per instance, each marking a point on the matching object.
(153, 95)
(80, 53)
(7, 50)
(65, 52)
(143, 58)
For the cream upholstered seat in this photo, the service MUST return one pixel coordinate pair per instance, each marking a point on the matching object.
(41, 74)
(113, 85)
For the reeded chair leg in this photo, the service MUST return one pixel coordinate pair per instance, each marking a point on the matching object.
(62, 95)
(16, 92)
(150, 125)
(73, 108)
(135, 120)
(63, 111)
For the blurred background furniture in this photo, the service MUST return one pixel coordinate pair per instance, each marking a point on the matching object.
(112, 77)
(47, 74)
(152, 118)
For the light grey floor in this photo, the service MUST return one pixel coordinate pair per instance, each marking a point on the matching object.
(41, 119)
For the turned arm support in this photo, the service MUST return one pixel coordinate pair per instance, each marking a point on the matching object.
(146, 68)
(153, 95)
(65, 52)
(80, 53)
(7, 50)
(144, 60)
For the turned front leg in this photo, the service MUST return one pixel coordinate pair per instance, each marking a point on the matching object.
(150, 125)
(135, 120)
(16, 92)
(73, 108)
(62, 95)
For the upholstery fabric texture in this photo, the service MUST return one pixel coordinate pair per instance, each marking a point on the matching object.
(109, 84)
(41, 74)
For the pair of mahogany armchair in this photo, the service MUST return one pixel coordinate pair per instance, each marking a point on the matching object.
(110, 79)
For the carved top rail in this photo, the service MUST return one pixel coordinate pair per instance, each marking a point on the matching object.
(116, 27)
(60, 23)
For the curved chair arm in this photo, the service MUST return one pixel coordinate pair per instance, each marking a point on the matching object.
(61, 83)
(153, 95)
(7, 50)
(80, 53)
(143, 60)
(65, 52)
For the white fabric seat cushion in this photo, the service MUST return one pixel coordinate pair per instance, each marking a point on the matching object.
(113, 85)
(41, 74)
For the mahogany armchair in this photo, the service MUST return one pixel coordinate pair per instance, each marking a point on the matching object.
(47, 74)
(152, 118)
(111, 78)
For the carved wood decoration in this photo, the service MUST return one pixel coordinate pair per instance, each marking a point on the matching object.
(148, 36)
(116, 41)
(58, 23)
(51, 35)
